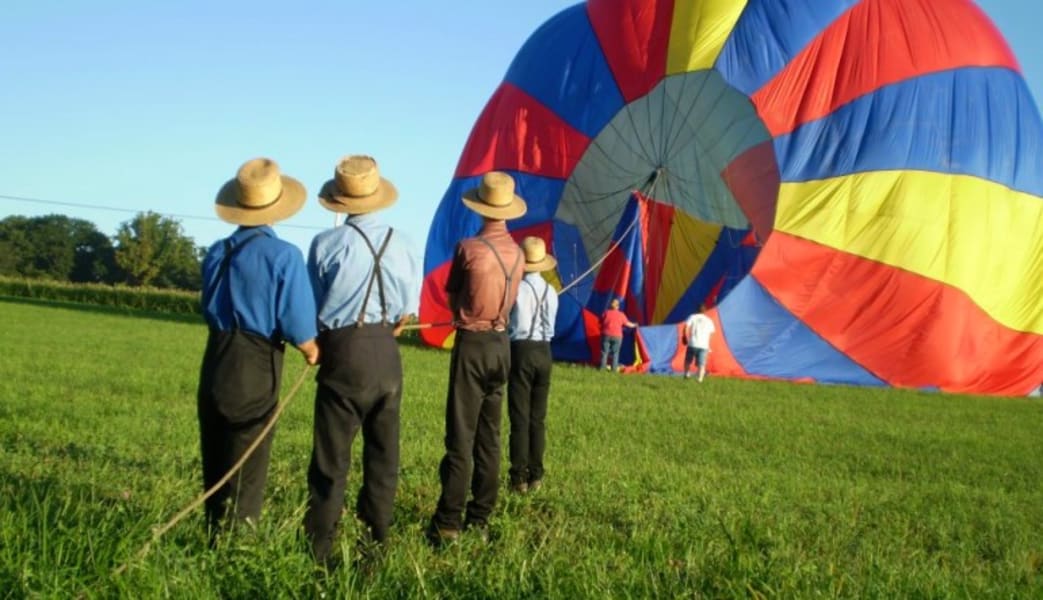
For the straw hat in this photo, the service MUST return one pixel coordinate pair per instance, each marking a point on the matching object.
(259, 195)
(536, 257)
(357, 187)
(495, 198)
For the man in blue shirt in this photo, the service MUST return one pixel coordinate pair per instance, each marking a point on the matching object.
(531, 329)
(366, 279)
(255, 296)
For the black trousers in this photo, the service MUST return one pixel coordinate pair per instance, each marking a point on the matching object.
(527, 391)
(238, 390)
(478, 370)
(359, 386)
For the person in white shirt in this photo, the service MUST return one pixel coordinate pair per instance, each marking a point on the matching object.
(531, 329)
(697, 331)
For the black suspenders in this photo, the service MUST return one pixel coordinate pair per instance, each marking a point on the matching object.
(377, 275)
(509, 275)
(226, 263)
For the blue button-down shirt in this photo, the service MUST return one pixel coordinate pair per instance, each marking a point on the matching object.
(265, 290)
(524, 313)
(340, 265)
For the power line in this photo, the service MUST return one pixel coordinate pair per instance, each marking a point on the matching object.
(133, 211)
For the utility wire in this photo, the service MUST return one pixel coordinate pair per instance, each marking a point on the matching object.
(135, 211)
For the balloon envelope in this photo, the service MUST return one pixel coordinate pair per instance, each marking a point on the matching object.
(853, 185)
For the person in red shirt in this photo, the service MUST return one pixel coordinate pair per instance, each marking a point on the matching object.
(612, 323)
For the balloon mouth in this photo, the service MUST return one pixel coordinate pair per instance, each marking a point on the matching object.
(693, 142)
(695, 145)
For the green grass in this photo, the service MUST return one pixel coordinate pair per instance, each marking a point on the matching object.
(655, 486)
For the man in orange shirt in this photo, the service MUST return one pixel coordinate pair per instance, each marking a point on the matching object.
(612, 323)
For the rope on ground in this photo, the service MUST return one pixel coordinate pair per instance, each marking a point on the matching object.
(158, 532)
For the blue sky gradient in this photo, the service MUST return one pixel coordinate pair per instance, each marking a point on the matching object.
(143, 105)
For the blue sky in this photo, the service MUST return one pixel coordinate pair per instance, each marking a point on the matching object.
(146, 105)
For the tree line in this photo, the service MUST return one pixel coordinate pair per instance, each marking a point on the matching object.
(148, 250)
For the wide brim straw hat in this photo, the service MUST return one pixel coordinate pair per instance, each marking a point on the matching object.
(259, 195)
(495, 198)
(357, 187)
(536, 257)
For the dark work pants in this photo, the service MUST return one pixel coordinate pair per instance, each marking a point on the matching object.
(238, 391)
(478, 370)
(359, 386)
(527, 391)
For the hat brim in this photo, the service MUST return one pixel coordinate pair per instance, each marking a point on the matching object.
(289, 202)
(548, 263)
(515, 209)
(332, 199)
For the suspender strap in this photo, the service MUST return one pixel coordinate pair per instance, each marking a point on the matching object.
(537, 315)
(226, 263)
(378, 275)
(508, 275)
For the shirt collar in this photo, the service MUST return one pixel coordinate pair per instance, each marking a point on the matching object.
(362, 220)
(492, 227)
(532, 276)
(245, 231)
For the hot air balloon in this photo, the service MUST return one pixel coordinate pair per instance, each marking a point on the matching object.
(855, 185)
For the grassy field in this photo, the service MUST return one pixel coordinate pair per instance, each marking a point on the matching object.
(655, 487)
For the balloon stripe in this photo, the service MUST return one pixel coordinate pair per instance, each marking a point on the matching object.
(769, 34)
(834, 69)
(972, 121)
(698, 33)
(723, 270)
(691, 242)
(770, 341)
(753, 179)
(634, 37)
(981, 228)
(564, 68)
(913, 331)
(517, 133)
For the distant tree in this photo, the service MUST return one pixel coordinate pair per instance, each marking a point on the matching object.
(94, 258)
(55, 247)
(14, 245)
(153, 250)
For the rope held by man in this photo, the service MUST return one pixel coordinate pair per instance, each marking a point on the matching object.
(158, 532)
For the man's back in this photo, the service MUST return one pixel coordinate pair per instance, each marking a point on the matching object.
(700, 328)
(477, 279)
(341, 266)
(264, 288)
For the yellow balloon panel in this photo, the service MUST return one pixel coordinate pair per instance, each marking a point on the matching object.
(699, 32)
(691, 242)
(975, 235)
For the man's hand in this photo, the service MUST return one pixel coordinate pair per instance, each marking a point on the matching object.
(400, 326)
(310, 350)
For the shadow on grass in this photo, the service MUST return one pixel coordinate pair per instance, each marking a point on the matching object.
(106, 310)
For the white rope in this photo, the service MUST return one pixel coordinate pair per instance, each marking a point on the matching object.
(649, 193)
